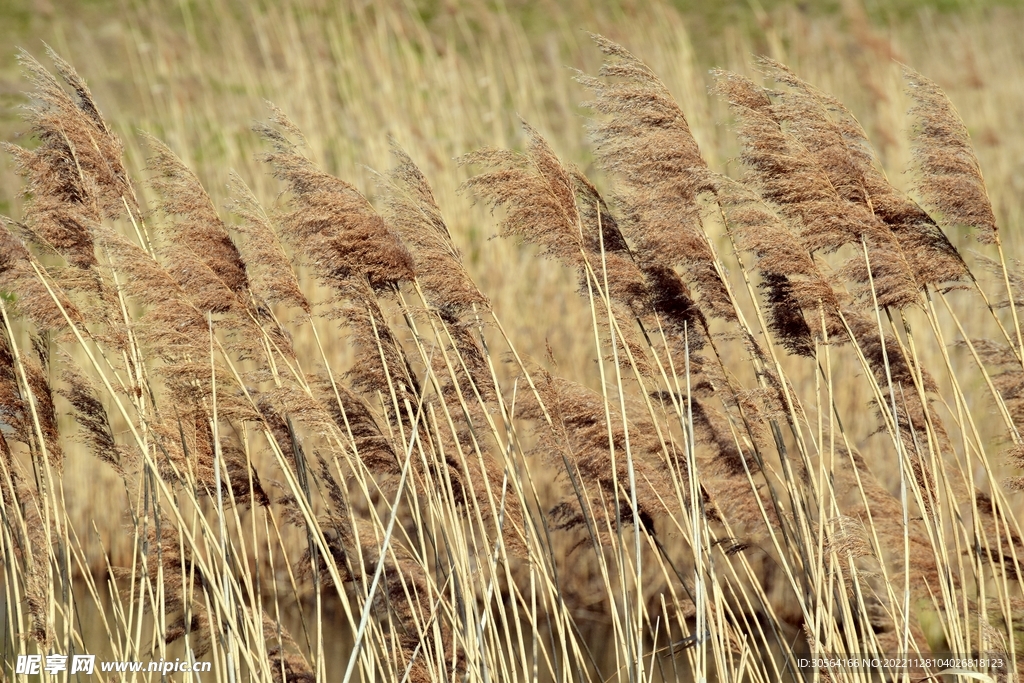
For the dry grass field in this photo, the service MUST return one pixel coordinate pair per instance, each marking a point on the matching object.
(550, 341)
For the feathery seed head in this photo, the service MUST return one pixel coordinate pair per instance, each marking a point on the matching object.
(413, 212)
(270, 274)
(948, 175)
(333, 225)
(76, 175)
(194, 223)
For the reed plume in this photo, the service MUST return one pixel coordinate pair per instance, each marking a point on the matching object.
(382, 362)
(810, 175)
(537, 191)
(646, 142)
(609, 251)
(932, 257)
(330, 222)
(947, 173)
(581, 439)
(75, 176)
(540, 194)
(194, 225)
(441, 273)
(783, 174)
(1006, 374)
(413, 212)
(286, 661)
(270, 274)
(798, 295)
(353, 418)
(94, 421)
(172, 325)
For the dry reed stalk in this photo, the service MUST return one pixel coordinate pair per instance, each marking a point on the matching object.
(408, 600)
(23, 499)
(881, 512)
(474, 476)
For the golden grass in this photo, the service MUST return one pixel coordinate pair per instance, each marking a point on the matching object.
(750, 403)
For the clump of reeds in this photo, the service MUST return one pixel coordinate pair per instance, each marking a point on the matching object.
(466, 513)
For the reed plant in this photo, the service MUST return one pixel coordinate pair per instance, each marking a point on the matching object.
(444, 506)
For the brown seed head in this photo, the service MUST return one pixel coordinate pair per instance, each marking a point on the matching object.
(330, 222)
(647, 143)
(932, 257)
(414, 213)
(271, 275)
(947, 171)
(194, 223)
(537, 191)
(75, 176)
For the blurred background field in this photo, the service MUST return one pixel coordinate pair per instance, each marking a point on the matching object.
(446, 78)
